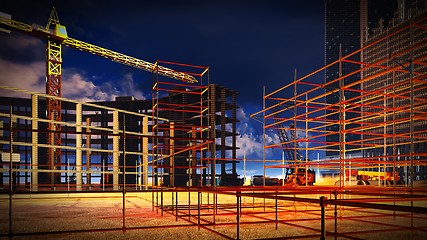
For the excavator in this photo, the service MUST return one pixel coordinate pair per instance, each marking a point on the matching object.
(294, 175)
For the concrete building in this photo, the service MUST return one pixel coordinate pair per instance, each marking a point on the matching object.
(178, 139)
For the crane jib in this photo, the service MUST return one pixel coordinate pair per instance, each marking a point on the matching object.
(59, 33)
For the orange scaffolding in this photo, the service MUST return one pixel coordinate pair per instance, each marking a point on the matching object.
(180, 158)
(380, 116)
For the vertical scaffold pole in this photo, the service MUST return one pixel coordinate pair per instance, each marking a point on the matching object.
(145, 152)
(294, 140)
(335, 217)
(172, 200)
(34, 142)
(412, 113)
(10, 173)
(306, 139)
(116, 152)
(237, 214)
(263, 141)
(79, 179)
(88, 154)
(189, 204)
(124, 175)
(198, 208)
(176, 204)
(263, 137)
(161, 201)
(277, 220)
(341, 118)
(322, 218)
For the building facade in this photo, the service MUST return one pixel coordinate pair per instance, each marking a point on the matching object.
(347, 25)
(397, 111)
(186, 137)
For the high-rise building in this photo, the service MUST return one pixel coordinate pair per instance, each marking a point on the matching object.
(346, 24)
(390, 99)
(400, 81)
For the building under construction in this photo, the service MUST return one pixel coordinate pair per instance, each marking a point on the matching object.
(169, 140)
(177, 151)
(380, 117)
(175, 139)
(397, 90)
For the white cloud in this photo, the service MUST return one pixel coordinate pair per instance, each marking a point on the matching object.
(250, 145)
(26, 76)
(250, 140)
(18, 42)
(129, 88)
(241, 115)
(75, 84)
(272, 138)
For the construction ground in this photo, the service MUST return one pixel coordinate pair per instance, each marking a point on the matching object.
(166, 168)
(172, 214)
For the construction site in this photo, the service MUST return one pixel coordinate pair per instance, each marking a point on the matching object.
(167, 166)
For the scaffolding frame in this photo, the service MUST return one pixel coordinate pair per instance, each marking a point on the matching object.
(375, 114)
(230, 212)
(389, 117)
(89, 131)
(181, 157)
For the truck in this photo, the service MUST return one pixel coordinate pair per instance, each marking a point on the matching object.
(298, 177)
(365, 177)
(292, 178)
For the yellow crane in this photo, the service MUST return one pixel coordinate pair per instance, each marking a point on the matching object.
(54, 31)
(56, 36)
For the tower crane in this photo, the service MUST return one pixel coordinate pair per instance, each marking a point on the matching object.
(56, 35)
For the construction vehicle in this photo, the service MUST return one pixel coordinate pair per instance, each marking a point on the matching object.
(363, 177)
(298, 177)
(230, 180)
(258, 180)
(294, 175)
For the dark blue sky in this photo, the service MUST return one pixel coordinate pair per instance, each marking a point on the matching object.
(246, 44)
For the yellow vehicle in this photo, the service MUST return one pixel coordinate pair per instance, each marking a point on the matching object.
(363, 177)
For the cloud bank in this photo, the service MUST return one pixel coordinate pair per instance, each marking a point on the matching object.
(250, 141)
(76, 84)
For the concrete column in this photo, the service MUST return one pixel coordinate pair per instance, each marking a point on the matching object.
(116, 150)
(79, 178)
(145, 153)
(34, 142)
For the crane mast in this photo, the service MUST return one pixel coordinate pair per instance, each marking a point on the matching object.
(53, 88)
(56, 36)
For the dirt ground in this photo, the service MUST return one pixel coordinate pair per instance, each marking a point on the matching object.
(100, 216)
